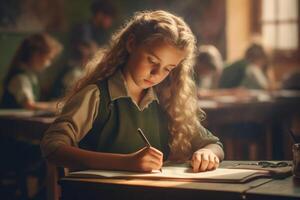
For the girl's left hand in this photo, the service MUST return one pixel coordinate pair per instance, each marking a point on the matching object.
(204, 160)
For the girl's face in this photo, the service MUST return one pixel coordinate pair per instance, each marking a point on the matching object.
(40, 61)
(150, 64)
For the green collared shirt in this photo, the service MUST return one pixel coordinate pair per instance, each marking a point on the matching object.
(117, 88)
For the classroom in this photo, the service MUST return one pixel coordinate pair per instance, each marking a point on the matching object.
(150, 99)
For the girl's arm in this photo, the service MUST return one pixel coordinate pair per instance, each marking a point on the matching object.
(146, 159)
(75, 158)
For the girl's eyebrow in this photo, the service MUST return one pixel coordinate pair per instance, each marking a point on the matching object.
(153, 54)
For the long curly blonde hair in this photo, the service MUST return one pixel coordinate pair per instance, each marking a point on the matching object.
(177, 93)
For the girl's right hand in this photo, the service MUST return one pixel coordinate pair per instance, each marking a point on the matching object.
(146, 160)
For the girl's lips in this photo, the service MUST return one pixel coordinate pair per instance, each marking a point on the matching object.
(149, 82)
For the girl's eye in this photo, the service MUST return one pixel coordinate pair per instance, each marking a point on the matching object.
(168, 70)
(151, 61)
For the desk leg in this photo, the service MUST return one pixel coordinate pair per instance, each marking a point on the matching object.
(53, 189)
(279, 130)
(277, 140)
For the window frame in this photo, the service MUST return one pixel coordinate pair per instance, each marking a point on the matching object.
(256, 28)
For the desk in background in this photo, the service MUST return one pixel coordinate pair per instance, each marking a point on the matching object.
(92, 188)
(22, 168)
(273, 111)
(24, 125)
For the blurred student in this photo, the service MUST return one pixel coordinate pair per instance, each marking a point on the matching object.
(74, 68)
(21, 85)
(251, 72)
(291, 81)
(208, 68)
(96, 30)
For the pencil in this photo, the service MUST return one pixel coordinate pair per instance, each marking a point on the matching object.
(146, 141)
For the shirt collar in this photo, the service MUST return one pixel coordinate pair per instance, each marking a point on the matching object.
(117, 89)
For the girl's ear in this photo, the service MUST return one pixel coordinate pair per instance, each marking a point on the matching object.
(130, 43)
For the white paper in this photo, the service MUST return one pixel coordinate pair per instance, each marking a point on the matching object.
(174, 172)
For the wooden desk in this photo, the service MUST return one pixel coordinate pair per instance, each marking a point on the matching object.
(288, 188)
(23, 126)
(274, 112)
(80, 188)
(22, 169)
(220, 112)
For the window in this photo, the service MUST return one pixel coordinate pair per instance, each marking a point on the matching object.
(280, 24)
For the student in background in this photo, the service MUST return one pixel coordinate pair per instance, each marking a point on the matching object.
(96, 30)
(144, 80)
(74, 68)
(208, 70)
(208, 67)
(21, 85)
(291, 81)
(251, 72)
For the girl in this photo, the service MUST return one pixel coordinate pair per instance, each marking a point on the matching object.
(142, 81)
(21, 87)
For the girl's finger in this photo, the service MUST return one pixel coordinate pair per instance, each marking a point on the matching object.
(156, 151)
(196, 161)
(204, 162)
(211, 164)
(159, 155)
(154, 159)
(148, 163)
(217, 162)
(155, 165)
(151, 163)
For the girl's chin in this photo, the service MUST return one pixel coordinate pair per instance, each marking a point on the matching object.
(146, 87)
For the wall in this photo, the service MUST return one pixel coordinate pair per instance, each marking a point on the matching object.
(238, 27)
